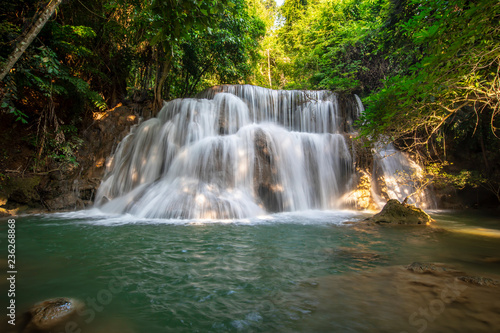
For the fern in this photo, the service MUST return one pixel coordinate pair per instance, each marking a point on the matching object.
(83, 88)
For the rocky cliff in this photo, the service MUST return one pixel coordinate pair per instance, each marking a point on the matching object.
(63, 187)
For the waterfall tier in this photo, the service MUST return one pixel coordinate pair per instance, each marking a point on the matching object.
(233, 152)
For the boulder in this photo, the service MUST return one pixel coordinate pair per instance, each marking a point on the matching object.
(68, 200)
(52, 315)
(395, 212)
(19, 190)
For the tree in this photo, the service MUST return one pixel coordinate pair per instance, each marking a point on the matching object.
(221, 54)
(329, 45)
(172, 22)
(456, 74)
(27, 38)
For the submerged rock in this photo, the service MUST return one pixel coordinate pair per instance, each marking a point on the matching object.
(395, 212)
(395, 299)
(479, 281)
(424, 268)
(418, 267)
(52, 315)
(356, 257)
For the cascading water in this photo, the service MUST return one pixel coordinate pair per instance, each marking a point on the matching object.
(233, 152)
(400, 176)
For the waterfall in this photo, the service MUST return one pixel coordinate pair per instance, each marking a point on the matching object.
(400, 176)
(235, 151)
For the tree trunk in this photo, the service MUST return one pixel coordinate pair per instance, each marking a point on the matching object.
(28, 37)
(160, 82)
(269, 69)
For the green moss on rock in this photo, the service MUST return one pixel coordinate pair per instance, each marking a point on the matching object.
(395, 212)
(19, 190)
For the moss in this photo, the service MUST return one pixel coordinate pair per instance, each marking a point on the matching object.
(395, 212)
(20, 190)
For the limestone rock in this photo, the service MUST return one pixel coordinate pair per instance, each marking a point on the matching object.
(422, 268)
(4, 212)
(479, 281)
(395, 212)
(428, 268)
(52, 314)
(20, 190)
(361, 197)
(266, 185)
(68, 200)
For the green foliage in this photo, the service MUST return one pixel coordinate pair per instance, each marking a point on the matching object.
(101, 48)
(222, 54)
(71, 39)
(7, 102)
(442, 178)
(64, 153)
(41, 71)
(456, 73)
(330, 45)
(173, 20)
(45, 69)
(191, 44)
(60, 147)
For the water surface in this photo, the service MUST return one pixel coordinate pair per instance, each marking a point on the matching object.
(256, 275)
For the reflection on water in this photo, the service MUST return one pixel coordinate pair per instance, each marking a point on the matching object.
(301, 272)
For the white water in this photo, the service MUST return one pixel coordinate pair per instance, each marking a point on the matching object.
(401, 176)
(235, 152)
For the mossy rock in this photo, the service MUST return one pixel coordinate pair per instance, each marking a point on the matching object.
(395, 212)
(4, 212)
(20, 190)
